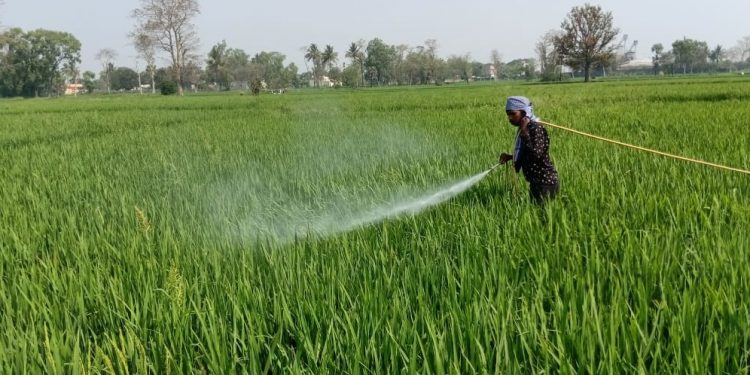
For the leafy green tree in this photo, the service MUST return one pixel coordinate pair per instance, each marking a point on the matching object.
(690, 54)
(459, 67)
(291, 76)
(417, 66)
(89, 82)
(516, 69)
(16, 75)
(124, 78)
(216, 65)
(586, 39)
(717, 55)
(350, 76)
(379, 61)
(401, 65)
(658, 51)
(168, 87)
(162, 75)
(51, 50)
(238, 66)
(35, 61)
(273, 71)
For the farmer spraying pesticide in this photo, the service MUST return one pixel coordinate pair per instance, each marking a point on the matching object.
(531, 151)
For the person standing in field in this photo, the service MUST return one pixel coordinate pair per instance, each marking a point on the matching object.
(531, 153)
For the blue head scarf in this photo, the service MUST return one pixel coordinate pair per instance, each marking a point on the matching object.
(520, 103)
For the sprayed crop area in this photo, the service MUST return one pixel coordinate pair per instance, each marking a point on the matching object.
(299, 233)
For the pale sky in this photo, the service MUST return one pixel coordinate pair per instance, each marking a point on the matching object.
(510, 26)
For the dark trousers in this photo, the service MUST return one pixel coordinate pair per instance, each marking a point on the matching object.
(540, 192)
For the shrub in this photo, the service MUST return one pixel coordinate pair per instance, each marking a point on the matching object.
(168, 88)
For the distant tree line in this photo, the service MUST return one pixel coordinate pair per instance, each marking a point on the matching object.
(693, 56)
(586, 43)
(41, 62)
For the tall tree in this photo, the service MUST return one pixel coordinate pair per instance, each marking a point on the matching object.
(548, 56)
(497, 60)
(743, 46)
(106, 57)
(586, 39)
(379, 61)
(33, 63)
(329, 57)
(72, 72)
(400, 65)
(216, 65)
(52, 50)
(459, 67)
(238, 66)
(717, 54)
(434, 63)
(270, 66)
(145, 45)
(168, 22)
(357, 55)
(88, 81)
(690, 54)
(658, 51)
(314, 55)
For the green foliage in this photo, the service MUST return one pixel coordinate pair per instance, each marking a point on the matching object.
(34, 61)
(89, 81)
(123, 78)
(255, 86)
(378, 61)
(216, 66)
(168, 87)
(272, 70)
(143, 235)
(690, 54)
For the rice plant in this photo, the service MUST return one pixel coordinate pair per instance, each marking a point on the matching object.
(168, 235)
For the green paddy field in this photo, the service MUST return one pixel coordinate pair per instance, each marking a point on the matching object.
(218, 233)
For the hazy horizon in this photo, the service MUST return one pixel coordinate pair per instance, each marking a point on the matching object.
(512, 27)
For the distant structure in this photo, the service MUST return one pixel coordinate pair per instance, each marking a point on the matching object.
(624, 52)
(325, 81)
(628, 61)
(489, 71)
(73, 89)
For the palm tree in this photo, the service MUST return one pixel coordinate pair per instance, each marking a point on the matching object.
(329, 57)
(313, 54)
(355, 53)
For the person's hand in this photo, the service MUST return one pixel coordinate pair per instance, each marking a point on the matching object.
(504, 158)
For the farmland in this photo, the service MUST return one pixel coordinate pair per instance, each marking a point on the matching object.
(162, 234)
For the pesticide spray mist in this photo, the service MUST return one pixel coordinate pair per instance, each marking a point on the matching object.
(324, 173)
(332, 225)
